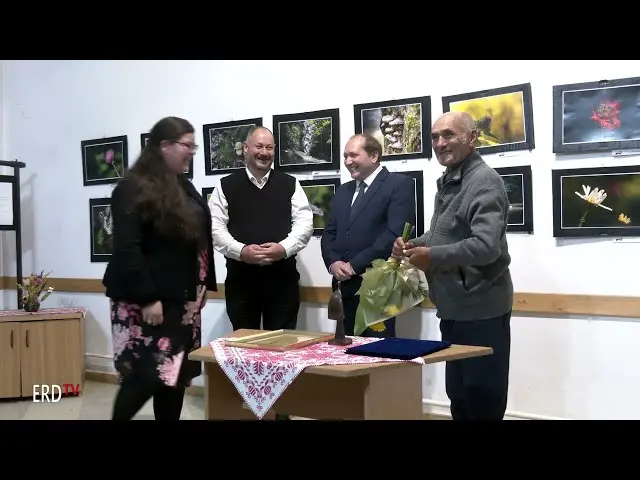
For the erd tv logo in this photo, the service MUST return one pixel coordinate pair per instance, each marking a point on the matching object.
(53, 393)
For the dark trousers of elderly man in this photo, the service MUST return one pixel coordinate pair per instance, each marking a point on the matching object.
(478, 387)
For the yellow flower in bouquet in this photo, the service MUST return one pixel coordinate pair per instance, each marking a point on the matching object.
(389, 288)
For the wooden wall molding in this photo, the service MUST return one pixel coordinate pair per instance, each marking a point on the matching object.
(538, 303)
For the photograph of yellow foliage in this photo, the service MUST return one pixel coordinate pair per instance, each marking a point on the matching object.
(504, 117)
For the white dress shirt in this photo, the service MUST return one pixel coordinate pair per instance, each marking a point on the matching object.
(301, 221)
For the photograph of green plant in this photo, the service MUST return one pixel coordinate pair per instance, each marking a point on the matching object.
(104, 160)
(320, 194)
(223, 145)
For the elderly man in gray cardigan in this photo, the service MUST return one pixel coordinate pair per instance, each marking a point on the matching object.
(465, 257)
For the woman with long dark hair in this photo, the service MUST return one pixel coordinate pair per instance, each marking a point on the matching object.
(159, 273)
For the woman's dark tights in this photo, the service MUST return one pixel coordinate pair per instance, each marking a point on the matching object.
(135, 392)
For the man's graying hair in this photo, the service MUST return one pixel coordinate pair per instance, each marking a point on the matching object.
(371, 145)
(253, 129)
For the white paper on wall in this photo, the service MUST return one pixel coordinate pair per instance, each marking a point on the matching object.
(6, 204)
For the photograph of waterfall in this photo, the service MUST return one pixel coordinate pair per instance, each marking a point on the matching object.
(403, 127)
(307, 141)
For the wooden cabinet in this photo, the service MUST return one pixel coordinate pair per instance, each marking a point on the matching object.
(43, 348)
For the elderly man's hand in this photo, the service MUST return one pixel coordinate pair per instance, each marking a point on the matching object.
(419, 257)
(399, 247)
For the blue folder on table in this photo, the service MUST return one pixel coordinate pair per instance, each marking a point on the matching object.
(399, 348)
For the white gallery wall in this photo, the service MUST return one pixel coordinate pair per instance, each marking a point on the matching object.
(561, 367)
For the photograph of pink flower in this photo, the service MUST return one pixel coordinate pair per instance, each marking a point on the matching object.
(104, 160)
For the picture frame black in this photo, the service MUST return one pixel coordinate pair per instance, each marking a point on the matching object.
(286, 131)
(321, 210)
(144, 138)
(219, 145)
(104, 160)
(519, 179)
(517, 99)
(206, 191)
(418, 177)
(8, 202)
(396, 144)
(101, 229)
(617, 215)
(596, 116)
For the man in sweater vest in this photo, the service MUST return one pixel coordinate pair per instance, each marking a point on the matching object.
(261, 219)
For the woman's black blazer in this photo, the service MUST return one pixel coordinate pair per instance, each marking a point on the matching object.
(147, 265)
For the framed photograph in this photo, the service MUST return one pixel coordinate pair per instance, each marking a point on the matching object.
(206, 192)
(517, 181)
(101, 223)
(7, 194)
(104, 160)
(144, 138)
(320, 194)
(504, 117)
(223, 151)
(418, 185)
(307, 141)
(403, 127)
(596, 202)
(599, 116)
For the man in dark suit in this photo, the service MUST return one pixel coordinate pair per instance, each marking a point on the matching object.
(367, 215)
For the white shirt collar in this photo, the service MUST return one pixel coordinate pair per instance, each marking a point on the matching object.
(254, 180)
(369, 180)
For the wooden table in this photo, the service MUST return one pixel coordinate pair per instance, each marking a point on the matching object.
(374, 391)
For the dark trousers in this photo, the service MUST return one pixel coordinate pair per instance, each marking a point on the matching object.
(135, 391)
(272, 297)
(478, 387)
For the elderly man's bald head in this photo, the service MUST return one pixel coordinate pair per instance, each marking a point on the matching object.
(454, 136)
(463, 119)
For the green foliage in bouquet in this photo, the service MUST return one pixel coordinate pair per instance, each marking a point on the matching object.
(389, 288)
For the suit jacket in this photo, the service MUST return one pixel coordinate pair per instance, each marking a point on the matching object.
(147, 265)
(379, 220)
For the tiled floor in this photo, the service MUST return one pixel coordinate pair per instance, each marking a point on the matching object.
(95, 404)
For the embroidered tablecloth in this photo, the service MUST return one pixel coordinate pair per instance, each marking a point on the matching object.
(44, 311)
(261, 376)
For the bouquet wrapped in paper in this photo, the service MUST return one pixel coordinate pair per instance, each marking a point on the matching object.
(389, 288)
